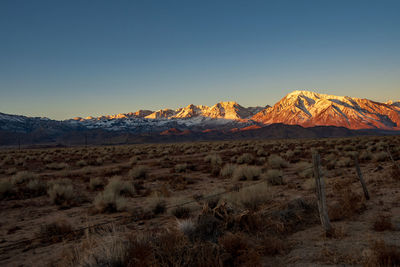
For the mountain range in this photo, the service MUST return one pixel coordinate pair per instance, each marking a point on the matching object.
(225, 120)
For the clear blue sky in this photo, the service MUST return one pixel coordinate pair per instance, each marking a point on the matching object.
(62, 59)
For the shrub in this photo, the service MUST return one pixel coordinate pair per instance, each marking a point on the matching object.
(61, 194)
(213, 159)
(181, 212)
(181, 167)
(246, 158)
(383, 255)
(304, 169)
(344, 162)
(81, 163)
(245, 172)
(158, 205)
(275, 177)
(111, 199)
(276, 161)
(227, 170)
(365, 155)
(120, 187)
(36, 187)
(57, 166)
(380, 156)
(239, 250)
(133, 160)
(96, 183)
(140, 172)
(6, 189)
(54, 231)
(309, 184)
(22, 177)
(251, 197)
(187, 227)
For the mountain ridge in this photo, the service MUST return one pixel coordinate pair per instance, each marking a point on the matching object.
(303, 108)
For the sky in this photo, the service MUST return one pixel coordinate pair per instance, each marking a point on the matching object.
(61, 59)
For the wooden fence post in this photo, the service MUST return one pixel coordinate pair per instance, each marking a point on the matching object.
(321, 196)
(361, 178)
(392, 159)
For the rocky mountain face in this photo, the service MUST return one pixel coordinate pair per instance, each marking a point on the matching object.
(310, 109)
(300, 108)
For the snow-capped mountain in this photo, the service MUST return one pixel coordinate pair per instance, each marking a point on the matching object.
(310, 109)
(303, 108)
(221, 115)
(393, 103)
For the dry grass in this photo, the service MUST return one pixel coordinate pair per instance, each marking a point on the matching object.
(139, 172)
(55, 231)
(112, 198)
(228, 170)
(6, 189)
(245, 172)
(274, 177)
(61, 194)
(276, 162)
(251, 197)
(383, 255)
(22, 177)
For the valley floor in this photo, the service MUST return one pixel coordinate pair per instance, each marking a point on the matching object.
(233, 203)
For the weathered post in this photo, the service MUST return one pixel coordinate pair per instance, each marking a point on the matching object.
(321, 196)
(392, 159)
(361, 178)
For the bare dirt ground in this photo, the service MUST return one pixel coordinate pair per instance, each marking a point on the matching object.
(135, 192)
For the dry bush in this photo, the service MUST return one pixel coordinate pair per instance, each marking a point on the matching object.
(23, 177)
(36, 187)
(245, 172)
(274, 177)
(181, 167)
(276, 162)
(96, 183)
(251, 197)
(54, 231)
(228, 170)
(120, 187)
(365, 155)
(213, 159)
(112, 198)
(11, 171)
(309, 184)
(157, 205)
(304, 169)
(240, 251)
(61, 194)
(380, 156)
(246, 158)
(187, 227)
(6, 189)
(344, 162)
(57, 166)
(112, 247)
(383, 255)
(383, 223)
(108, 201)
(348, 203)
(139, 172)
(81, 163)
(181, 212)
(215, 163)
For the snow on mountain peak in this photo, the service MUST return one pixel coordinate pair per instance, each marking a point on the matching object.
(311, 109)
